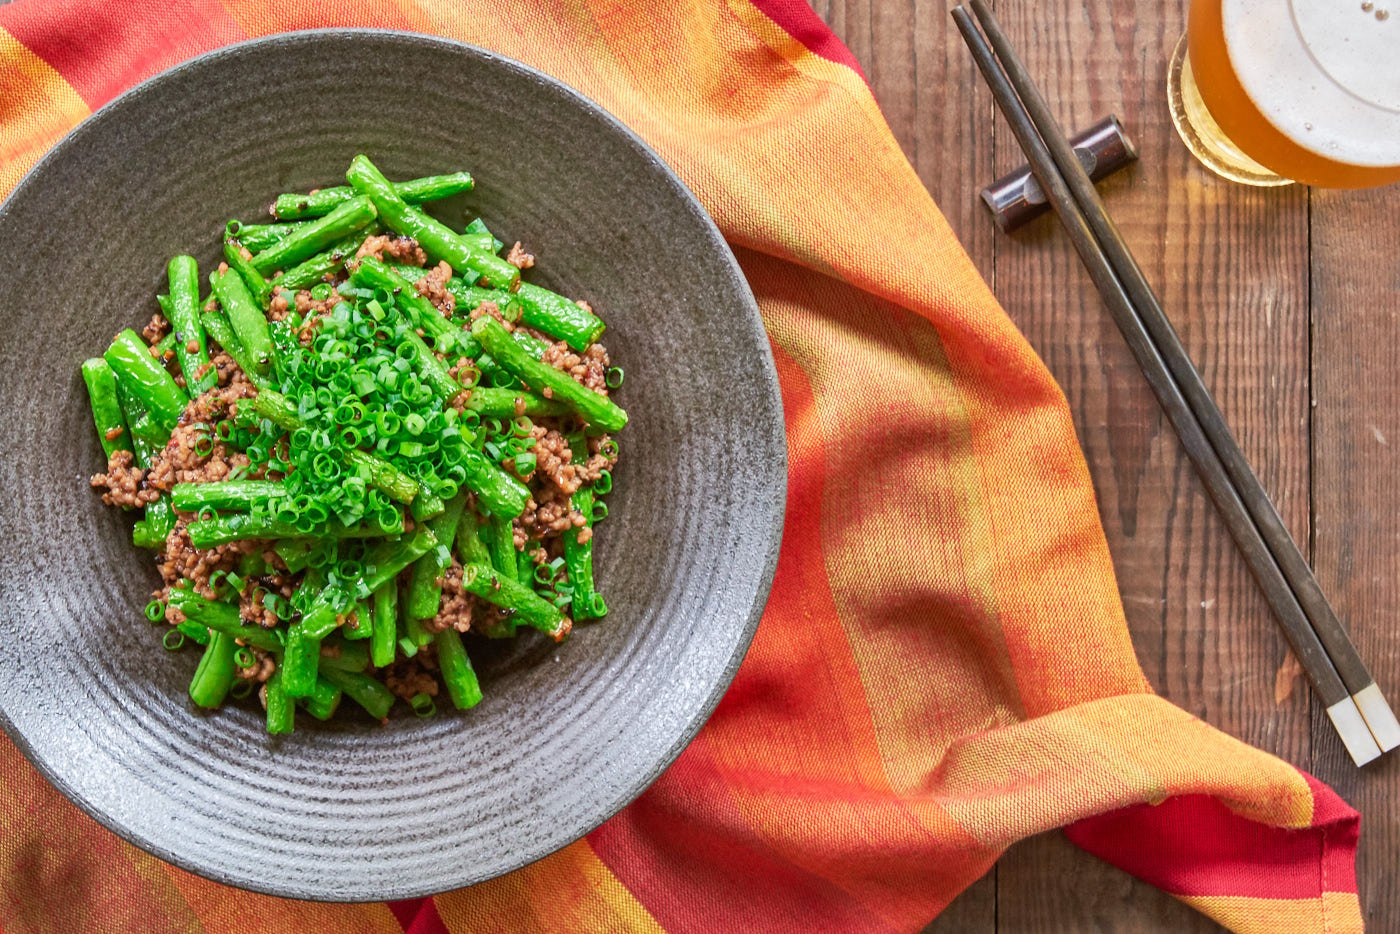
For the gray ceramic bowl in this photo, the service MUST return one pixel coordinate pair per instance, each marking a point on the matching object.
(567, 735)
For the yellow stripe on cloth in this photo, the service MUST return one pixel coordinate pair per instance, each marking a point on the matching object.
(569, 891)
(1335, 913)
(36, 108)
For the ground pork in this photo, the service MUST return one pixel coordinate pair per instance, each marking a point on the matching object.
(455, 609)
(547, 512)
(156, 329)
(279, 306)
(180, 559)
(180, 461)
(433, 287)
(262, 668)
(589, 368)
(407, 677)
(307, 305)
(490, 308)
(519, 258)
(554, 460)
(311, 311)
(399, 249)
(250, 603)
(124, 484)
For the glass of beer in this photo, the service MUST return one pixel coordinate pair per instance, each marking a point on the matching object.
(1270, 92)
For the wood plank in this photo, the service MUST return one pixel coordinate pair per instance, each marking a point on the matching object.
(1356, 492)
(1230, 265)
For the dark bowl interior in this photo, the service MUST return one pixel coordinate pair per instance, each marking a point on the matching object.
(567, 734)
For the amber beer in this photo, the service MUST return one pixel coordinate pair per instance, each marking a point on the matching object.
(1268, 92)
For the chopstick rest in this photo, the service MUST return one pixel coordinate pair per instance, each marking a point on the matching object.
(1016, 198)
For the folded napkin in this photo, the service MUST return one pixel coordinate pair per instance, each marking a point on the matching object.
(943, 667)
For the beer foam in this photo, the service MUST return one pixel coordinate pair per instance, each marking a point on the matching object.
(1325, 73)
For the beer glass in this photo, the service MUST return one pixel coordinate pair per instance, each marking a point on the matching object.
(1270, 92)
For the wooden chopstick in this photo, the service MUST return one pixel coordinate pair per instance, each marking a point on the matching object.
(1034, 138)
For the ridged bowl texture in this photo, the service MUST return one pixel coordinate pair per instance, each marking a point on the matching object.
(567, 734)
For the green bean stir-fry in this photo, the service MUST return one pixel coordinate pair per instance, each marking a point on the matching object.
(368, 439)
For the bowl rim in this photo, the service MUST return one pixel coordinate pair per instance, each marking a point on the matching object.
(776, 505)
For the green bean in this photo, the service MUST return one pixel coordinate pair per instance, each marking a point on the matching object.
(323, 700)
(240, 260)
(363, 690)
(497, 490)
(347, 656)
(107, 418)
(314, 236)
(421, 313)
(182, 274)
(530, 609)
(146, 441)
(326, 263)
(425, 505)
(257, 237)
(492, 402)
(281, 711)
(384, 615)
(413, 632)
(223, 617)
(598, 411)
(291, 206)
(470, 296)
(500, 544)
(383, 475)
(237, 527)
(131, 361)
(322, 617)
(468, 545)
(300, 660)
(558, 317)
(248, 321)
(437, 239)
(385, 560)
(194, 631)
(218, 328)
(153, 530)
(585, 603)
(295, 553)
(225, 494)
(425, 579)
(214, 676)
(456, 670)
(358, 624)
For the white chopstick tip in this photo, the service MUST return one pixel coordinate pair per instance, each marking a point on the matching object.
(1351, 727)
(1379, 717)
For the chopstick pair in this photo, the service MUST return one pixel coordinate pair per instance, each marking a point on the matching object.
(1359, 712)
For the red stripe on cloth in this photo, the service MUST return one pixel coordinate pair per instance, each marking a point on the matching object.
(103, 49)
(418, 916)
(1195, 846)
(799, 20)
(406, 911)
(687, 872)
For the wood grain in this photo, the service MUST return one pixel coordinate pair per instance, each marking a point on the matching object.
(1235, 268)
(1356, 490)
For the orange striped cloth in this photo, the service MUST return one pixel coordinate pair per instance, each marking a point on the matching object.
(897, 723)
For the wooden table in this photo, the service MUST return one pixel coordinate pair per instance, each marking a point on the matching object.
(1289, 301)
